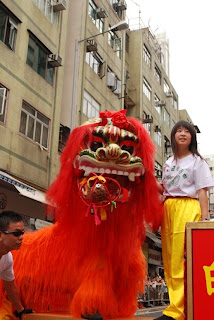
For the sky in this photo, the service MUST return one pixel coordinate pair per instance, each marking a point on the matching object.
(189, 26)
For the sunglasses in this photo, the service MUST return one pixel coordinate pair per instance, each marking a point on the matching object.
(17, 233)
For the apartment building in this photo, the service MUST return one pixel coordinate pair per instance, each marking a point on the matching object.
(149, 87)
(210, 161)
(94, 60)
(32, 42)
(115, 69)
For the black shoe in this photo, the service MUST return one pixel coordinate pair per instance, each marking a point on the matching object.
(94, 316)
(164, 317)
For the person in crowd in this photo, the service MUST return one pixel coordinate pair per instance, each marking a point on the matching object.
(11, 236)
(186, 179)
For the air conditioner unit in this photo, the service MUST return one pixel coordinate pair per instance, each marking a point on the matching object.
(58, 5)
(118, 88)
(54, 60)
(101, 13)
(120, 5)
(111, 79)
(91, 45)
(169, 94)
(160, 103)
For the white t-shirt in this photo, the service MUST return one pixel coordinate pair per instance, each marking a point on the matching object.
(6, 267)
(184, 177)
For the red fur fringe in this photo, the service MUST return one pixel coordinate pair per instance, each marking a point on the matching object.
(75, 266)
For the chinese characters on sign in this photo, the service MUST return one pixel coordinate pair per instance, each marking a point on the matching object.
(209, 278)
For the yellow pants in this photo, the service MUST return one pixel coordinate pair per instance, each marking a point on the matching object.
(177, 211)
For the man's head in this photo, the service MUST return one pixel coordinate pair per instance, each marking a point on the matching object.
(11, 231)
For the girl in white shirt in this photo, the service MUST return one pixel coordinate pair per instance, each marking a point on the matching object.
(186, 179)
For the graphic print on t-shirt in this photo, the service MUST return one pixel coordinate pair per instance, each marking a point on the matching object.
(173, 176)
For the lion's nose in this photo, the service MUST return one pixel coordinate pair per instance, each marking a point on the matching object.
(113, 151)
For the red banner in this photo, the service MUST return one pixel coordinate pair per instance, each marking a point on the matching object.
(203, 274)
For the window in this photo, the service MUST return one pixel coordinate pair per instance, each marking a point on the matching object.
(37, 59)
(3, 102)
(147, 55)
(175, 102)
(158, 170)
(46, 7)
(91, 107)
(8, 27)
(147, 89)
(96, 63)
(157, 106)
(157, 74)
(166, 117)
(115, 42)
(165, 86)
(92, 11)
(157, 138)
(167, 147)
(147, 122)
(63, 137)
(34, 125)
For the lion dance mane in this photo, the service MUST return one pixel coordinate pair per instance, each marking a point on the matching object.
(90, 260)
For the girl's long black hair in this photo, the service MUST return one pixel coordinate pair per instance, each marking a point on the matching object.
(193, 147)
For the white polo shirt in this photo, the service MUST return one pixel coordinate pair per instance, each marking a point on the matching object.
(6, 267)
(184, 177)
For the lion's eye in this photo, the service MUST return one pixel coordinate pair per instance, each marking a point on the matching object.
(129, 149)
(96, 145)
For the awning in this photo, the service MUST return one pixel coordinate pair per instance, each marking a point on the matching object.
(39, 224)
(23, 188)
(153, 237)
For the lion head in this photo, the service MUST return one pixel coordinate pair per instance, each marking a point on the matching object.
(108, 161)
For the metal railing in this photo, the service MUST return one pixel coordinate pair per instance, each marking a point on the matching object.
(153, 296)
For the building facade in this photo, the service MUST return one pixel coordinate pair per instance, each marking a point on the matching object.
(32, 42)
(210, 161)
(148, 85)
(61, 63)
(94, 59)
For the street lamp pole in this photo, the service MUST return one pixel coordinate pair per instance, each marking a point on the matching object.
(122, 25)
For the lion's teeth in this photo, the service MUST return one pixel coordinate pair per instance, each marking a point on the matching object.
(88, 171)
(142, 171)
(132, 176)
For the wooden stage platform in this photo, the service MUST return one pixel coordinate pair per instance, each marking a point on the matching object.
(42, 316)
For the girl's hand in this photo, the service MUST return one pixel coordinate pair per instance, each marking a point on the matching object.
(160, 187)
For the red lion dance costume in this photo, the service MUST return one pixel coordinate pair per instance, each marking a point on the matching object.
(90, 262)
